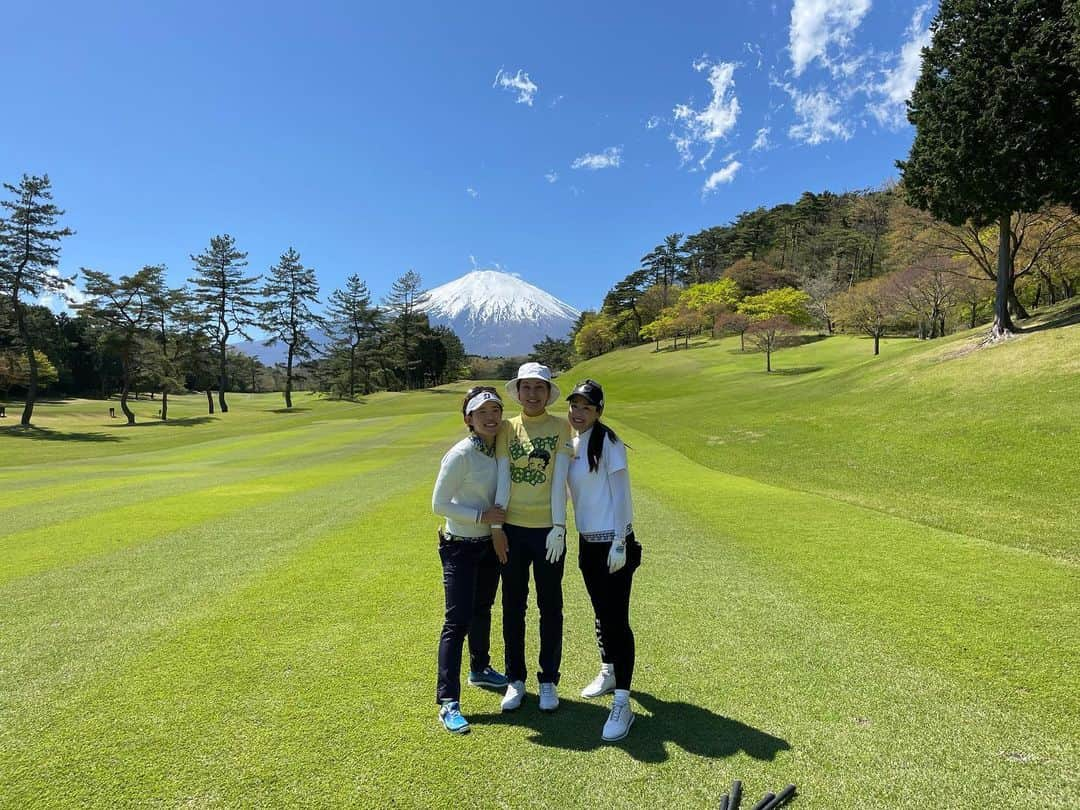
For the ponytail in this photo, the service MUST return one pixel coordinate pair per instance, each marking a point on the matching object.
(600, 431)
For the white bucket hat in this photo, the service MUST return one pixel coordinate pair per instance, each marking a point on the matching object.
(533, 371)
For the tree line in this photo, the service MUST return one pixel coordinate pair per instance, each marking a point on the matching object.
(982, 224)
(134, 332)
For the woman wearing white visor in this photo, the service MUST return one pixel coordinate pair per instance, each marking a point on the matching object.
(465, 495)
(608, 554)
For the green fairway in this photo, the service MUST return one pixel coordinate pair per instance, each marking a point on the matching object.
(860, 575)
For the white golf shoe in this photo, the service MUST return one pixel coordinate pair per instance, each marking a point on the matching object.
(515, 691)
(603, 683)
(549, 697)
(619, 721)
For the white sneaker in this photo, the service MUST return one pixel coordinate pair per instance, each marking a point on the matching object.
(515, 691)
(549, 697)
(618, 722)
(603, 683)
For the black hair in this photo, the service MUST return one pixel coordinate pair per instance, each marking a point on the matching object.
(541, 454)
(472, 392)
(596, 443)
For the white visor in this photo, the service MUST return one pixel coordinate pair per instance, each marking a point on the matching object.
(480, 399)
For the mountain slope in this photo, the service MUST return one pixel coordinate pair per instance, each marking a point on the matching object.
(497, 314)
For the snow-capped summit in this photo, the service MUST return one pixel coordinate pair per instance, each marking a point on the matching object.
(497, 314)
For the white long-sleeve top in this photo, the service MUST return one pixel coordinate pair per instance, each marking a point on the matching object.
(602, 504)
(465, 488)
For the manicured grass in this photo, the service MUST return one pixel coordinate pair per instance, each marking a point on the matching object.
(861, 578)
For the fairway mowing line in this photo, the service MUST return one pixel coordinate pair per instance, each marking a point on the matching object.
(180, 571)
(113, 527)
(875, 566)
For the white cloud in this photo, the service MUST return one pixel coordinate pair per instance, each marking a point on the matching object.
(895, 88)
(653, 122)
(61, 300)
(707, 126)
(472, 192)
(724, 175)
(818, 118)
(552, 176)
(610, 158)
(761, 141)
(817, 25)
(521, 83)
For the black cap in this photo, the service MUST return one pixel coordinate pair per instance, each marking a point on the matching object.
(591, 390)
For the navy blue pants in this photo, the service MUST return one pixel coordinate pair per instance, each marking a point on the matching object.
(528, 549)
(470, 579)
(610, 596)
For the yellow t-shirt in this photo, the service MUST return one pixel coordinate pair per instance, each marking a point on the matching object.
(531, 443)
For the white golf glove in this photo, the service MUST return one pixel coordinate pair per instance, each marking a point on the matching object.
(556, 544)
(616, 558)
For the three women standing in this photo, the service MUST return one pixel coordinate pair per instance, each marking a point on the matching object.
(592, 466)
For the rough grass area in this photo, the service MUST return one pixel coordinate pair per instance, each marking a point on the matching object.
(859, 575)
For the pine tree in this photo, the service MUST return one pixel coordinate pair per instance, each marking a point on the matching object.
(288, 295)
(226, 297)
(354, 322)
(29, 250)
(996, 111)
(406, 298)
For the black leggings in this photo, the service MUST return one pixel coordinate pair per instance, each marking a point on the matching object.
(610, 595)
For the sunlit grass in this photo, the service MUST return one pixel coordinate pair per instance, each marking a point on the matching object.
(860, 578)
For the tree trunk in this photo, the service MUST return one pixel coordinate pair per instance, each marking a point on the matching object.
(221, 381)
(352, 372)
(288, 379)
(1014, 303)
(742, 341)
(31, 361)
(1003, 326)
(210, 400)
(974, 314)
(877, 344)
(130, 414)
(164, 405)
(768, 360)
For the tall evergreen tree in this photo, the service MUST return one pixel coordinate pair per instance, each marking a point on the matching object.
(164, 312)
(996, 111)
(667, 263)
(404, 301)
(354, 323)
(227, 299)
(29, 250)
(288, 296)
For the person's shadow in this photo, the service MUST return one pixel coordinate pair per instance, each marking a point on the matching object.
(576, 726)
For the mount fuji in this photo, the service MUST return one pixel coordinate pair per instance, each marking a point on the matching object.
(497, 314)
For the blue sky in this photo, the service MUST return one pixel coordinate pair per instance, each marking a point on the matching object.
(559, 142)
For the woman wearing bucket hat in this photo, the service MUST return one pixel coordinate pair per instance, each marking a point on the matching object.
(533, 458)
(465, 495)
(608, 554)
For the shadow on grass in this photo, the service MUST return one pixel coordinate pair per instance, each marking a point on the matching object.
(48, 435)
(188, 421)
(576, 726)
(286, 410)
(1067, 317)
(791, 372)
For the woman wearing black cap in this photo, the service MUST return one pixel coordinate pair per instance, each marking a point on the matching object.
(608, 554)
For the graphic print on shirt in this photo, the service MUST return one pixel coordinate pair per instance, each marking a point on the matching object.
(538, 451)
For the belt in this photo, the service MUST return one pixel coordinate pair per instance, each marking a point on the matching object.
(603, 537)
(460, 538)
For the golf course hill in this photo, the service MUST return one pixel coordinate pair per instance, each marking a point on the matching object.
(859, 576)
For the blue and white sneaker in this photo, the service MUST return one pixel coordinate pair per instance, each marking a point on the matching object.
(450, 714)
(487, 677)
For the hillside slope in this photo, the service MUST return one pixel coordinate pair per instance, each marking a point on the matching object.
(981, 442)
